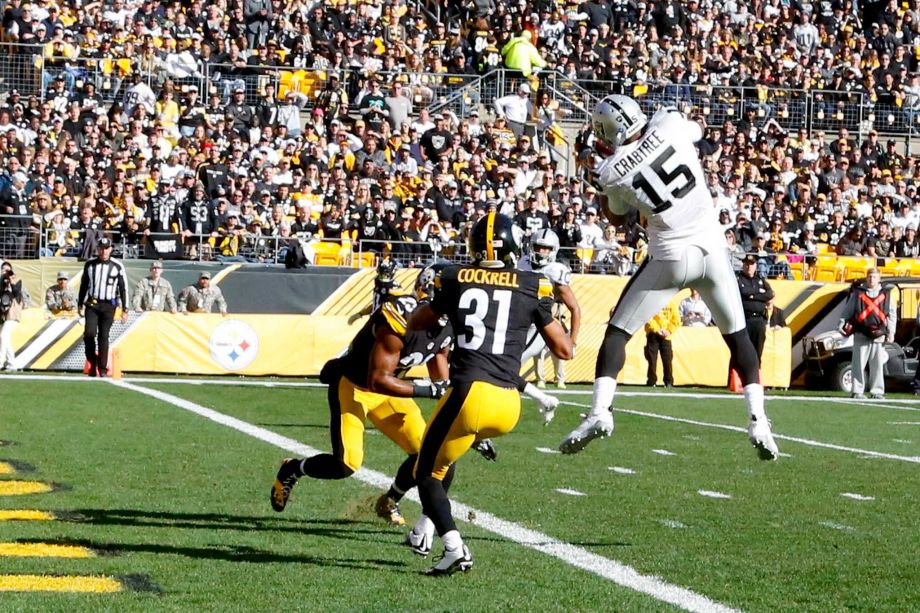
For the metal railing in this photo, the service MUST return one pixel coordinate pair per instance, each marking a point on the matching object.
(604, 258)
(22, 67)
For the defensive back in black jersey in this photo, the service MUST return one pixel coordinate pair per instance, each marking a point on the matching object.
(491, 310)
(418, 346)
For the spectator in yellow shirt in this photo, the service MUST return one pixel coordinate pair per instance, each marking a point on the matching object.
(658, 333)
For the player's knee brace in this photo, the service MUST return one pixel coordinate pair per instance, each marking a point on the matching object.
(744, 356)
(612, 356)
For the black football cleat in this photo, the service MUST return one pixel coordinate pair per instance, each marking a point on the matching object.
(285, 481)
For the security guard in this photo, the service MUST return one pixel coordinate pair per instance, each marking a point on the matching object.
(871, 317)
(154, 293)
(201, 297)
(59, 299)
(755, 294)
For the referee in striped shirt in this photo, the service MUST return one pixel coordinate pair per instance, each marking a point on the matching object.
(103, 288)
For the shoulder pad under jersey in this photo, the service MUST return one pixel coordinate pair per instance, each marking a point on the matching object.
(396, 312)
(558, 273)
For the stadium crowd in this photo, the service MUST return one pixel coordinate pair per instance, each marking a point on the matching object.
(244, 171)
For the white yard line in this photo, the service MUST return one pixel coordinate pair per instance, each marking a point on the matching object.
(783, 437)
(889, 403)
(617, 572)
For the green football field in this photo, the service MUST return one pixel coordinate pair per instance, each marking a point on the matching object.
(151, 495)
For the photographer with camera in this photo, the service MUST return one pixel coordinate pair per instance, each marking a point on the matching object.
(870, 316)
(11, 306)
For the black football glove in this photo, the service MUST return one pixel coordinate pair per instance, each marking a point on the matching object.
(431, 389)
(486, 449)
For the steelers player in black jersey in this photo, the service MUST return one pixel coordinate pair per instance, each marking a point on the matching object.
(361, 388)
(385, 286)
(490, 306)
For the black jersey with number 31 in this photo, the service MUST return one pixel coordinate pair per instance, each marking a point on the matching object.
(490, 311)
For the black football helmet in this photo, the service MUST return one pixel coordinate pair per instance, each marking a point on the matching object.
(495, 242)
(425, 283)
(386, 270)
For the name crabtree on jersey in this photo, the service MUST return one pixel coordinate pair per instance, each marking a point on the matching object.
(660, 175)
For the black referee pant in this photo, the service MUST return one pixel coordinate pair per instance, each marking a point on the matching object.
(757, 332)
(99, 318)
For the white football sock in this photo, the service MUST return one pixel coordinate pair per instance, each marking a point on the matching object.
(753, 398)
(537, 394)
(604, 390)
(452, 540)
(423, 526)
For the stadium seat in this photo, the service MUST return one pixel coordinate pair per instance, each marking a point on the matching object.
(367, 259)
(823, 249)
(856, 267)
(327, 253)
(586, 255)
(828, 269)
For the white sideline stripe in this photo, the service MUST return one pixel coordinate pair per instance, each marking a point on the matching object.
(617, 572)
(587, 392)
(713, 494)
(836, 526)
(904, 423)
(856, 496)
(794, 439)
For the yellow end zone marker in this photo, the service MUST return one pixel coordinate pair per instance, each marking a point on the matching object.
(25, 515)
(43, 550)
(6, 468)
(42, 583)
(19, 488)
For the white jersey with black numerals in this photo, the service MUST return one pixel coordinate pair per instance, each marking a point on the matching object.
(558, 274)
(661, 176)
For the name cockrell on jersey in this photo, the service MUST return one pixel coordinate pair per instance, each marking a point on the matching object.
(647, 146)
(488, 277)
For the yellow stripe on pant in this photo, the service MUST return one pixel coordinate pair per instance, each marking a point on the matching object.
(467, 413)
(400, 419)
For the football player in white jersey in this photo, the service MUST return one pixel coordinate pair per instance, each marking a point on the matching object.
(542, 258)
(652, 165)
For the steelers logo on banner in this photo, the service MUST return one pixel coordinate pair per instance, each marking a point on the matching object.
(234, 345)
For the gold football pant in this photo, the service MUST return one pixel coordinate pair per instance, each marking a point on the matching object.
(400, 419)
(467, 413)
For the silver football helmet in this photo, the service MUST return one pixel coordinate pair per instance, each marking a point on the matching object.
(616, 119)
(547, 239)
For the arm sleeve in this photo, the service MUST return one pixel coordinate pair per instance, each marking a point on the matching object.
(170, 297)
(84, 286)
(123, 287)
(136, 299)
(221, 303)
(543, 312)
(674, 323)
(182, 303)
(892, 316)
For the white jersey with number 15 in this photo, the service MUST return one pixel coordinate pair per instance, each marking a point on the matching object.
(660, 174)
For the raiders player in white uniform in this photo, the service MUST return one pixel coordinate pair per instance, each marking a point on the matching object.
(542, 258)
(653, 166)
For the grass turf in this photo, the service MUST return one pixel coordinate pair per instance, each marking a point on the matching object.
(182, 502)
